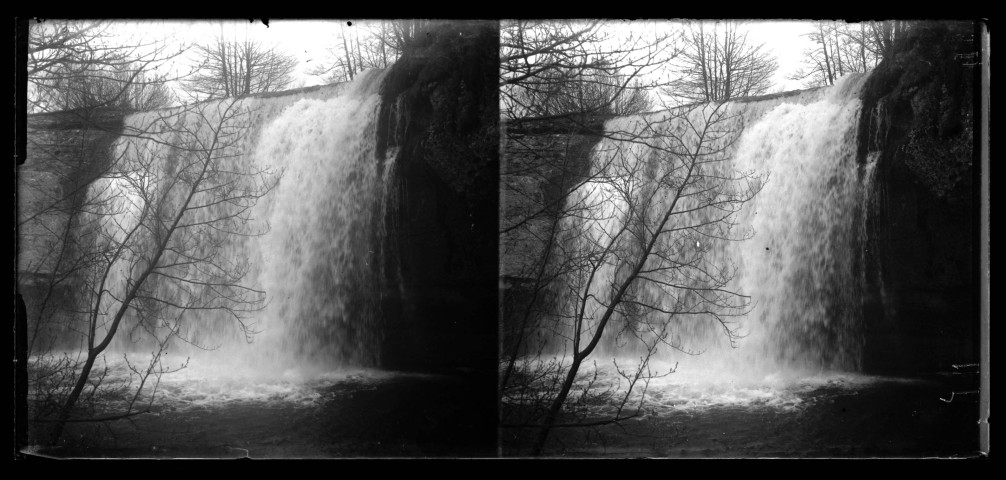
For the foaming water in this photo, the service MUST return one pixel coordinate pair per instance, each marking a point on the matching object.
(310, 251)
(696, 390)
(673, 389)
(797, 264)
(216, 381)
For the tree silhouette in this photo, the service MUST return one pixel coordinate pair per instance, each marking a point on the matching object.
(232, 68)
(150, 247)
(719, 64)
(627, 260)
(842, 48)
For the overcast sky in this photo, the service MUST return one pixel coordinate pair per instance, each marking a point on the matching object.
(308, 40)
(787, 41)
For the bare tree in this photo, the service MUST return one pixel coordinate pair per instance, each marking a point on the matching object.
(831, 59)
(575, 70)
(74, 65)
(92, 72)
(123, 90)
(719, 64)
(232, 68)
(632, 262)
(152, 239)
(562, 78)
(590, 96)
(367, 45)
(559, 78)
(883, 35)
(842, 48)
(610, 242)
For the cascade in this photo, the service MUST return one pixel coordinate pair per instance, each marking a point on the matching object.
(310, 247)
(792, 253)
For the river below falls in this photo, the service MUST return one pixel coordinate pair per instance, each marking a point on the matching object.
(375, 413)
(845, 416)
(359, 413)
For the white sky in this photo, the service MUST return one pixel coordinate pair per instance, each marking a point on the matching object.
(786, 40)
(307, 40)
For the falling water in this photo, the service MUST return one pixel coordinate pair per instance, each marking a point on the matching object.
(797, 262)
(311, 249)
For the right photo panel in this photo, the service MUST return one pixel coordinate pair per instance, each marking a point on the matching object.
(739, 239)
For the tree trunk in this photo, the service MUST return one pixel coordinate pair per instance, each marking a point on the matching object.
(349, 57)
(534, 299)
(248, 69)
(838, 56)
(64, 413)
(553, 410)
(224, 71)
(384, 41)
(862, 46)
(359, 54)
(827, 63)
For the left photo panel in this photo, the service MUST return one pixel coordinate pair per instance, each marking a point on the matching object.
(265, 239)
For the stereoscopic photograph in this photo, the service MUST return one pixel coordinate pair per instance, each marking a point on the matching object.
(421, 238)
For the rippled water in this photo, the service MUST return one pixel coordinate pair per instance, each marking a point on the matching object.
(222, 409)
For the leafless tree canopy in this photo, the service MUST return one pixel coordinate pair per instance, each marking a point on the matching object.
(74, 65)
(150, 248)
(564, 69)
(843, 48)
(366, 45)
(720, 64)
(231, 68)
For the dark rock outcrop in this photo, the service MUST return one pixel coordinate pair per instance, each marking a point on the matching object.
(540, 170)
(440, 112)
(64, 152)
(918, 117)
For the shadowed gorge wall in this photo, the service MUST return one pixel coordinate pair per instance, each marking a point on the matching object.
(440, 113)
(921, 313)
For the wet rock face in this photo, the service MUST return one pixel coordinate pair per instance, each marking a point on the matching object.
(918, 116)
(542, 165)
(440, 112)
(918, 109)
(63, 152)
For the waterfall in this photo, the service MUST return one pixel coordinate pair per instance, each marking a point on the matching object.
(791, 254)
(310, 249)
